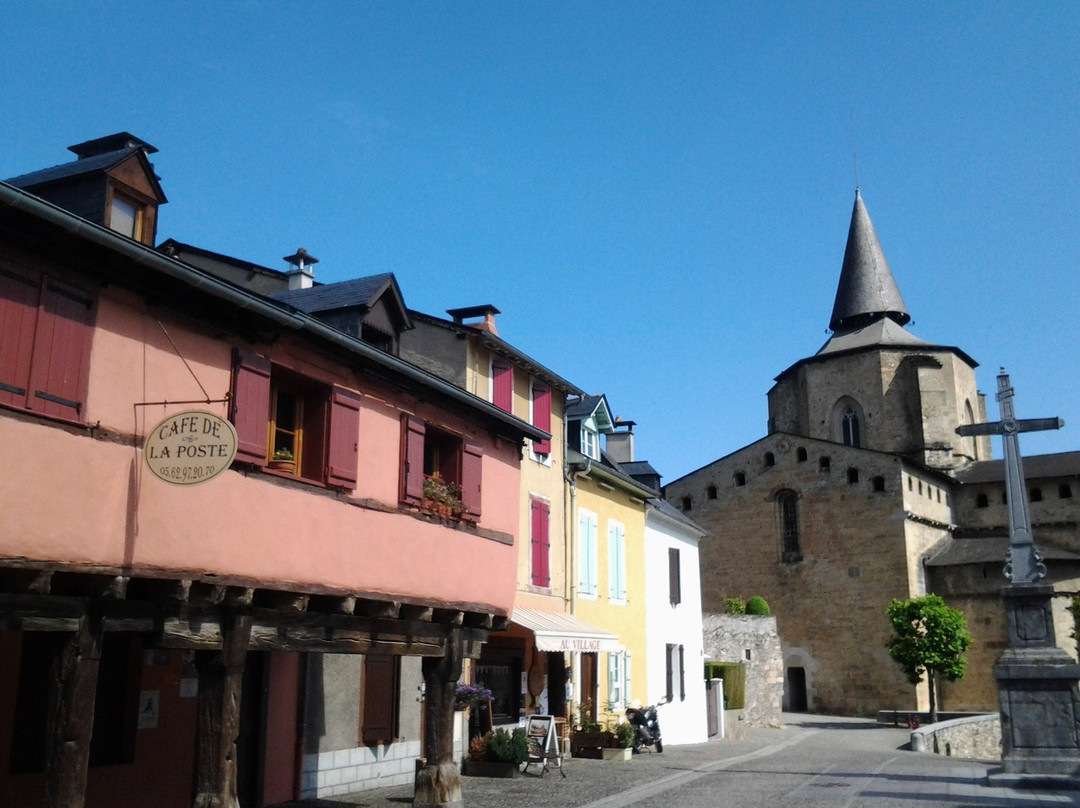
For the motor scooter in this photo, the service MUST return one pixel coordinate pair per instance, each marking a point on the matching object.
(646, 726)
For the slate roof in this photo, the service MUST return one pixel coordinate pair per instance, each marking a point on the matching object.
(672, 512)
(584, 406)
(360, 292)
(1061, 464)
(990, 550)
(635, 467)
(867, 289)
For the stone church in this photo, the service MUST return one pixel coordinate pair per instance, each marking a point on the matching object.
(862, 492)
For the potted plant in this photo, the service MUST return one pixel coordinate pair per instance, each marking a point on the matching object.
(442, 497)
(498, 754)
(283, 460)
(589, 738)
(623, 745)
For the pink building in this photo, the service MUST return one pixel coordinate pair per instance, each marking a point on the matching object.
(186, 629)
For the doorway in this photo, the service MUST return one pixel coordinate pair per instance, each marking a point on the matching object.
(590, 683)
(795, 689)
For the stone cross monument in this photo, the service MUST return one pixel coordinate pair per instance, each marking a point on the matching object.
(1037, 681)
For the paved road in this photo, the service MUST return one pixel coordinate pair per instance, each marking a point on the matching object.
(812, 761)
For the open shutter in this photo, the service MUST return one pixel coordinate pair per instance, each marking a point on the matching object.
(380, 699)
(341, 464)
(251, 406)
(542, 418)
(61, 351)
(472, 461)
(541, 543)
(502, 386)
(674, 577)
(412, 459)
(19, 290)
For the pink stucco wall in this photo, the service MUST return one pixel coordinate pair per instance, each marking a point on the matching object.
(73, 498)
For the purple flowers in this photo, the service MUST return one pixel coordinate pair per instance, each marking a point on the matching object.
(467, 695)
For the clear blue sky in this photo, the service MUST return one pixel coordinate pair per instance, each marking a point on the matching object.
(656, 195)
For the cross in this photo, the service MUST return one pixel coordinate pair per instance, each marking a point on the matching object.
(1023, 564)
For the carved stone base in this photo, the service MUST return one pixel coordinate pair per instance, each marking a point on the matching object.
(1037, 691)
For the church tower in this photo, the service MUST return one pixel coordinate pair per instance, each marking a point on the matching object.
(874, 384)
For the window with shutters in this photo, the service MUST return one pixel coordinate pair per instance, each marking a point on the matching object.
(540, 416)
(502, 385)
(616, 562)
(46, 326)
(541, 542)
(674, 577)
(379, 697)
(675, 660)
(290, 424)
(439, 466)
(587, 558)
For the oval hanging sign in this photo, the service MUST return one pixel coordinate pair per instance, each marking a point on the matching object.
(190, 447)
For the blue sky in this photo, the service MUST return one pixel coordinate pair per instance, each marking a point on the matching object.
(656, 195)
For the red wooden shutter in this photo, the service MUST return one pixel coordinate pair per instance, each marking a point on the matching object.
(412, 459)
(542, 417)
(19, 291)
(380, 699)
(472, 457)
(61, 366)
(341, 466)
(502, 386)
(251, 406)
(541, 543)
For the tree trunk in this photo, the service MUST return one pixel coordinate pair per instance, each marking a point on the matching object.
(221, 676)
(72, 692)
(438, 783)
(931, 680)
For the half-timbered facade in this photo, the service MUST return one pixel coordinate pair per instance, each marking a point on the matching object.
(177, 633)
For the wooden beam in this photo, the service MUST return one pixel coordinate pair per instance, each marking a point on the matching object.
(221, 676)
(411, 611)
(450, 617)
(72, 692)
(478, 620)
(377, 608)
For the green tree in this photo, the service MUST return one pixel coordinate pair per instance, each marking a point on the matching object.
(928, 637)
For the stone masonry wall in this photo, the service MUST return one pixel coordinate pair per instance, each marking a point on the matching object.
(753, 641)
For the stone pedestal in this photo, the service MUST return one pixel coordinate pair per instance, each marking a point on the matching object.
(1037, 691)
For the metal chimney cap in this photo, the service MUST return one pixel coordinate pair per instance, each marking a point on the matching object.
(301, 258)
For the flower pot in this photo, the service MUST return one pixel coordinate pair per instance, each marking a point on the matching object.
(288, 466)
(618, 753)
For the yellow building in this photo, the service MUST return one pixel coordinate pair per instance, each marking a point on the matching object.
(606, 522)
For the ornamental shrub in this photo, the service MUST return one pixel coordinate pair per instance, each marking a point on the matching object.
(508, 747)
(734, 606)
(757, 605)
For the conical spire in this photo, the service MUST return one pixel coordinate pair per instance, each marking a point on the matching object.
(867, 291)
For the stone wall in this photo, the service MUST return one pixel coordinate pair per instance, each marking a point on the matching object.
(753, 641)
(974, 738)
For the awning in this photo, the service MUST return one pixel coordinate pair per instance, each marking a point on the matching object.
(558, 631)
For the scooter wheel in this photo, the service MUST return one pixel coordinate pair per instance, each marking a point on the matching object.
(659, 747)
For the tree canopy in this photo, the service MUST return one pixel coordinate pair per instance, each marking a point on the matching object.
(929, 638)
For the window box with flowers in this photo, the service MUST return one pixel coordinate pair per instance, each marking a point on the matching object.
(283, 460)
(442, 497)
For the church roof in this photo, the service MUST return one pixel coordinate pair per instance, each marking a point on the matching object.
(1059, 464)
(989, 550)
(867, 290)
(884, 331)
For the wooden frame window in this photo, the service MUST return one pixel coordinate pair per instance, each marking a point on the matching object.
(427, 451)
(541, 417)
(502, 385)
(616, 562)
(587, 559)
(46, 328)
(541, 542)
(294, 425)
(380, 694)
(127, 216)
(674, 577)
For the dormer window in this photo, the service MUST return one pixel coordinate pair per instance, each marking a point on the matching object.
(590, 443)
(125, 216)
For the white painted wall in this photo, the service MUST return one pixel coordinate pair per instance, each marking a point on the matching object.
(682, 722)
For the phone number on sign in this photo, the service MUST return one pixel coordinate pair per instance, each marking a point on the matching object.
(185, 474)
